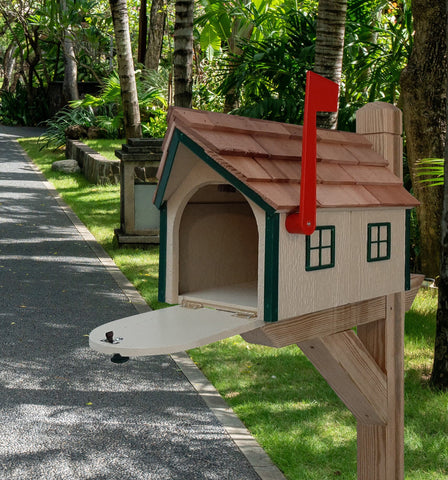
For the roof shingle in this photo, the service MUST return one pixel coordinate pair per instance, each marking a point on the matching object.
(266, 156)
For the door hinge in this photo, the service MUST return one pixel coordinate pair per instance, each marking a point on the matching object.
(243, 314)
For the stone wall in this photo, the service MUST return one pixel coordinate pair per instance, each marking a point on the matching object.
(95, 167)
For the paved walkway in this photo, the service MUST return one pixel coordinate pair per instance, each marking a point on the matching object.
(67, 412)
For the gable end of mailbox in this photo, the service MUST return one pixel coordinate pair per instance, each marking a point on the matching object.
(165, 199)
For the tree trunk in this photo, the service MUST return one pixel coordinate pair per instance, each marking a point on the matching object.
(329, 49)
(183, 53)
(70, 84)
(8, 67)
(423, 85)
(142, 31)
(439, 375)
(126, 71)
(157, 19)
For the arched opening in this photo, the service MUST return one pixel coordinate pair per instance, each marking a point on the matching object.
(218, 249)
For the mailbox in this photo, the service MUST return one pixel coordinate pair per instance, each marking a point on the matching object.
(227, 186)
(289, 235)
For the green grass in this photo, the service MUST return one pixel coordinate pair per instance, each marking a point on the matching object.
(301, 423)
(105, 147)
(284, 402)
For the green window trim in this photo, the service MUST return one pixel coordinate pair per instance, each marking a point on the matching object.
(320, 248)
(162, 253)
(407, 268)
(271, 266)
(378, 241)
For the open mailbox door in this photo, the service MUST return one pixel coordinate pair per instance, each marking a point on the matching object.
(169, 330)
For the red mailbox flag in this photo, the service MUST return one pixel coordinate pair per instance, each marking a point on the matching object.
(321, 95)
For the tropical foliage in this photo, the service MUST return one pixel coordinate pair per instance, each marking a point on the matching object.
(250, 56)
(269, 73)
(105, 111)
(430, 171)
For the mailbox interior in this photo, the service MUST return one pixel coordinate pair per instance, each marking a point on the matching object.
(218, 250)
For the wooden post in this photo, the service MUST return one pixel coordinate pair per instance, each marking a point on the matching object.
(381, 447)
(381, 124)
(367, 373)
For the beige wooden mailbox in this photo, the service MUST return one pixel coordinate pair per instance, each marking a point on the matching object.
(226, 187)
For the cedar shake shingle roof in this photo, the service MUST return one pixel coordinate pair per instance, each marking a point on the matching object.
(266, 156)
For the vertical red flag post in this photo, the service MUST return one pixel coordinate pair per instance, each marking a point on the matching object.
(321, 95)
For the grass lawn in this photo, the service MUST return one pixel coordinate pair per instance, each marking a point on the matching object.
(105, 146)
(284, 402)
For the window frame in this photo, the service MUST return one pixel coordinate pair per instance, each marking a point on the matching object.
(378, 241)
(320, 247)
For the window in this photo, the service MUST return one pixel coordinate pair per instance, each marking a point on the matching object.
(320, 249)
(378, 242)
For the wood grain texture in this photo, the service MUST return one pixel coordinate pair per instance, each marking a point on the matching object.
(353, 278)
(381, 124)
(371, 457)
(318, 324)
(381, 448)
(352, 373)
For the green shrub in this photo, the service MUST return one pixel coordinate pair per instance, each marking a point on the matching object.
(108, 110)
(54, 136)
(20, 108)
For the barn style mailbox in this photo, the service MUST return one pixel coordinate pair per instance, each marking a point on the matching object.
(288, 235)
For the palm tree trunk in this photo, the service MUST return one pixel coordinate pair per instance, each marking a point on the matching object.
(183, 53)
(439, 374)
(126, 71)
(432, 34)
(329, 49)
(70, 84)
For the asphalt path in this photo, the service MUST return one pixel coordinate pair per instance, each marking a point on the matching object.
(67, 412)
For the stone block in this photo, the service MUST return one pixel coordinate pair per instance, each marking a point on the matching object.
(69, 165)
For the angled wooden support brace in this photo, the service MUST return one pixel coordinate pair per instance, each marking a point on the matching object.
(352, 373)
